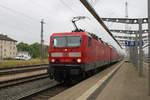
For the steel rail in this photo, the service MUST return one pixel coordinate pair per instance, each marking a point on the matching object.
(14, 82)
(20, 67)
(18, 75)
(47, 93)
(23, 69)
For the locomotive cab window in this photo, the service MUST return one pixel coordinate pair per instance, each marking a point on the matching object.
(59, 41)
(66, 41)
(89, 41)
(73, 41)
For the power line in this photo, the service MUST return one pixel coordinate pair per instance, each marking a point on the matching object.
(20, 13)
(37, 4)
(18, 29)
(94, 2)
(66, 5)
(96, 16)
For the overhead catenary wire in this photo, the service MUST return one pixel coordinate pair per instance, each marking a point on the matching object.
(17, 12)
(41, 6)
(22, 14)
(13, 11)
(94, 2)
(70, 8)
(93, 12)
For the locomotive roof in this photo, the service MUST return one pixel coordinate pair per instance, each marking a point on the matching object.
(70, 33)
(81, 34)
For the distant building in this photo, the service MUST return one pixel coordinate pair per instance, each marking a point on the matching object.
(7, 47)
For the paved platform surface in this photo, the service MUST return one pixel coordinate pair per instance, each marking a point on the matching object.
(126, 85)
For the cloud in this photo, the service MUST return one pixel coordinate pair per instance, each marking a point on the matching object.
(20, 19)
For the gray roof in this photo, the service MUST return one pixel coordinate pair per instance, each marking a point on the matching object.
(5, 37)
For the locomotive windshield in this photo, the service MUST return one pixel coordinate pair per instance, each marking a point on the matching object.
(66, 41)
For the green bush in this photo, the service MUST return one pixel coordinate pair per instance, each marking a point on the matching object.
(8, 58)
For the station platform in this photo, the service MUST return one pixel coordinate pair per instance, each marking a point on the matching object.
(126, 85)
(122, 84)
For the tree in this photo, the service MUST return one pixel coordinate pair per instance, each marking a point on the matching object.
(33, 49)
(23, 47)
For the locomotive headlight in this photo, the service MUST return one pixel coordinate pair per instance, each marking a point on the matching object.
(53, 60)
(79, 60)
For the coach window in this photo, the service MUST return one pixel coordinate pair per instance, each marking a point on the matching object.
(89, 42)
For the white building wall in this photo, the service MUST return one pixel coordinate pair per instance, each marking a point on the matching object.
(7, 49)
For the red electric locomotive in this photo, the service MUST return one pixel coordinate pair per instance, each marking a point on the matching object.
(73, 54)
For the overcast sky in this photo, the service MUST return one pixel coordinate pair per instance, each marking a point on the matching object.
(20, 19)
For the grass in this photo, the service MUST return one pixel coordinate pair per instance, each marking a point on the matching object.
(15, 63)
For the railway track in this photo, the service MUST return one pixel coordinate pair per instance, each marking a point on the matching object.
(20, 82)
(14, 82)
(48, 93)
(35, 87)
(25, 89)
(13, 76)
(53, 91)
(21, 69)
